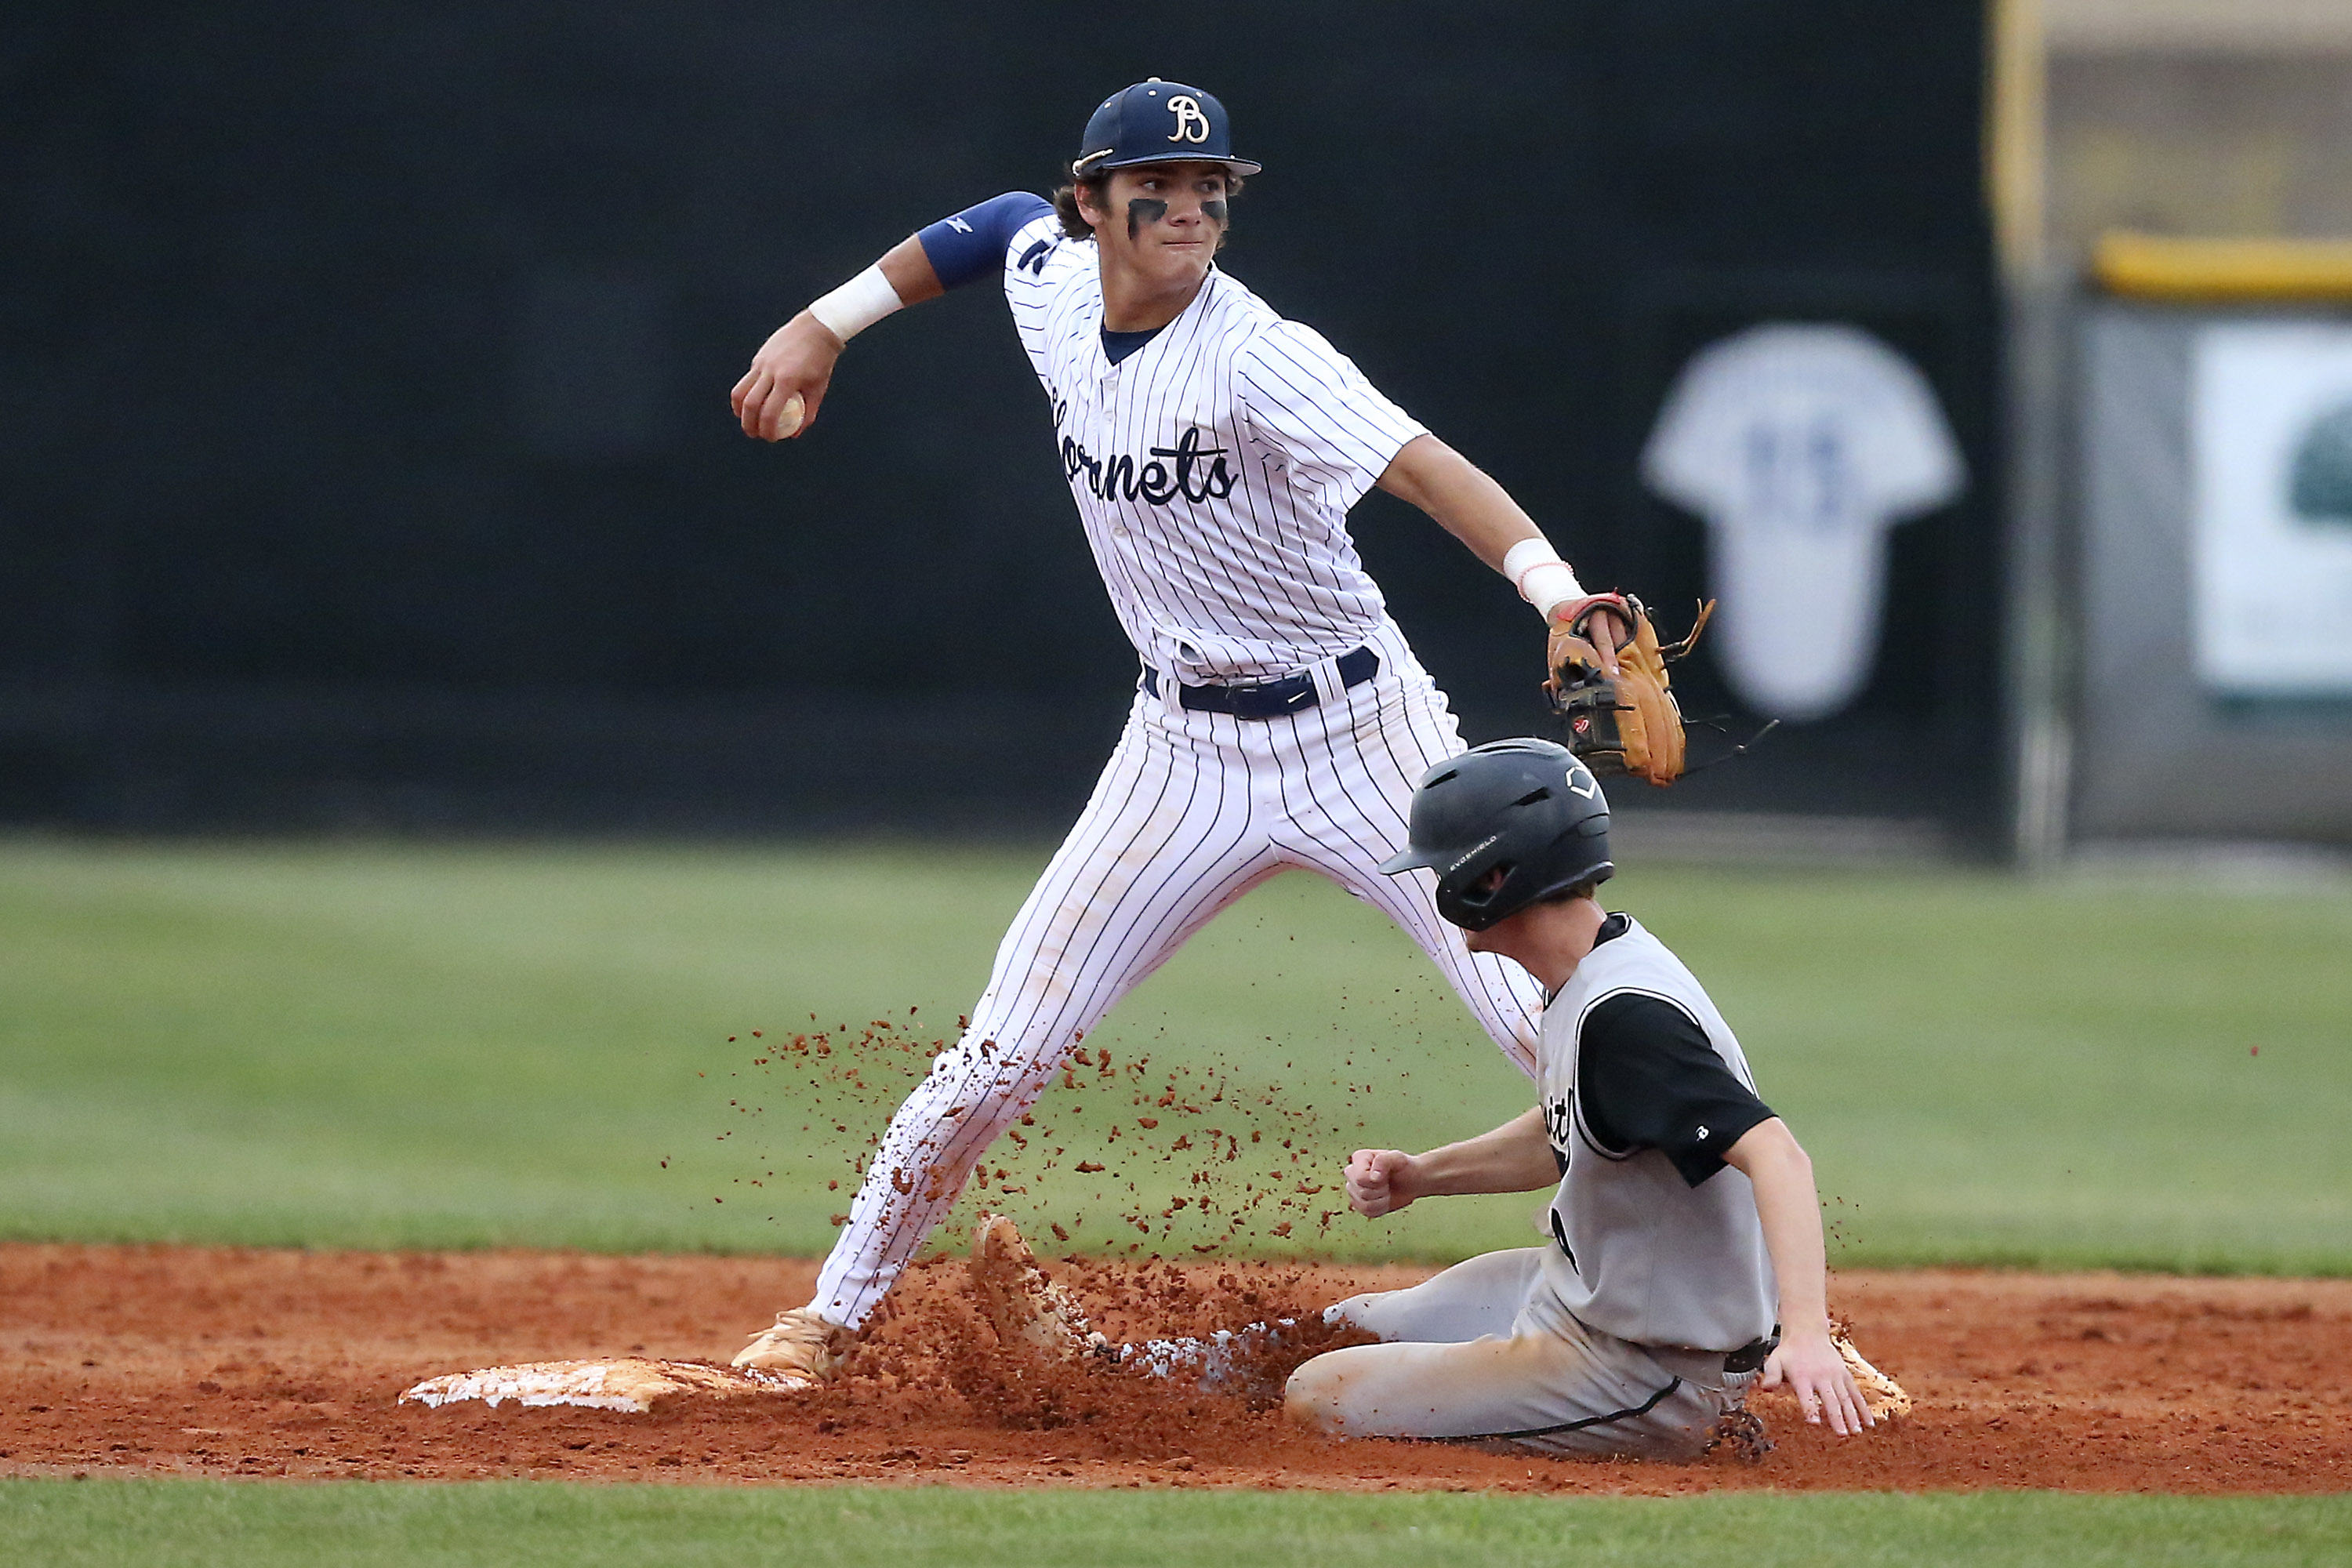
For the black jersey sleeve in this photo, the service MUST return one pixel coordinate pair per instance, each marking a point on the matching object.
(1649, 1079)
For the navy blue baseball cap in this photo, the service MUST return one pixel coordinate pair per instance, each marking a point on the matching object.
(1159, 121)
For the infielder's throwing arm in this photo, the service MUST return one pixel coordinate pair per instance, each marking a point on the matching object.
(1212, 449)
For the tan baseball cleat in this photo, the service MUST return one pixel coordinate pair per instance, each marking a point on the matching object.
(798, 1345)
(1881, 1394)
(1025, 1307)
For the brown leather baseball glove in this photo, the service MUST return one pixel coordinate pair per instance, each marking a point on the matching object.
(1628, 723)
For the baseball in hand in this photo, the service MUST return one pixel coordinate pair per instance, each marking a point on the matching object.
(788, 419)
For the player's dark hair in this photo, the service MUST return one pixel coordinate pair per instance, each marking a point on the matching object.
(1587, 889)
(1098, 188)
(1066, 202)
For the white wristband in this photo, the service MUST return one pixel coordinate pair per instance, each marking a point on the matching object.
(858, 304)
(1542, 578)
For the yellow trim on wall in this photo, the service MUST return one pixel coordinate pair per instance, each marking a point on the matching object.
(2161, 266)
(2016, 136)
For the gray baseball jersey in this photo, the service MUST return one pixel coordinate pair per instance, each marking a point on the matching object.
(1638, 1250)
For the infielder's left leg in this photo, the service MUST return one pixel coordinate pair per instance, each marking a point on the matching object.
(1168, 839)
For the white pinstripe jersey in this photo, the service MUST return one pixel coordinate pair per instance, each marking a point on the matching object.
(1213, 467)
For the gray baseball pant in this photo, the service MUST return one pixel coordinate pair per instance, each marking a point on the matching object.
(1483, 1355)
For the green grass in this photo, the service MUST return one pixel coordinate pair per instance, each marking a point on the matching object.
(385, 1045)
(516, 1524)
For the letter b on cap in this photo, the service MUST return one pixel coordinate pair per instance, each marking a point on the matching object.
(1191, 124)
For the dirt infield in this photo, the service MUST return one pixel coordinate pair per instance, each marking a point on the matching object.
(169, 1360)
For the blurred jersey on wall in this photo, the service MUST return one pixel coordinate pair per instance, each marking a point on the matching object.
(1801, 446)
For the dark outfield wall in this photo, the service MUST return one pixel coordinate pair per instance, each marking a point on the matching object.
(365, 453)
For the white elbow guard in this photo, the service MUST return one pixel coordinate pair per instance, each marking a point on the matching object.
(1542, 578)
(858, 304)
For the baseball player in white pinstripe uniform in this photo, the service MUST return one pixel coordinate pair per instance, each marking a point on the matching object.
(1281, 720)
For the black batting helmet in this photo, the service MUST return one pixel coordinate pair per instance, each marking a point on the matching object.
(1528, 807)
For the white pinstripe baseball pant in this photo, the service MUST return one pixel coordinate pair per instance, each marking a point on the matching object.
(1192, 811)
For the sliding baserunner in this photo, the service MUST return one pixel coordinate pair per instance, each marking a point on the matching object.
(1687, 1256)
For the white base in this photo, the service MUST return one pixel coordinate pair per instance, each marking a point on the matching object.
(624, 1382)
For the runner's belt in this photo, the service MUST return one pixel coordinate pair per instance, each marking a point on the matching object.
(1751, 1356)
(1269, 699)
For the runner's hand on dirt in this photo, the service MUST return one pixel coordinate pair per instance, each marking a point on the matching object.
(1814, 1371)
(1376, 1179)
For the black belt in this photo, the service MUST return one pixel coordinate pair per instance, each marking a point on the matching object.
(1271, 698)
(1751, 1356)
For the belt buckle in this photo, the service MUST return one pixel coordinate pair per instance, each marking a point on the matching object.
(1284, 695)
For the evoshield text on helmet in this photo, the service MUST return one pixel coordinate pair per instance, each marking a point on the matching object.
(1529, 808)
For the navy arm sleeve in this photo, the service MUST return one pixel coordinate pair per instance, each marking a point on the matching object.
(970, 245)
(1649, 1079)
